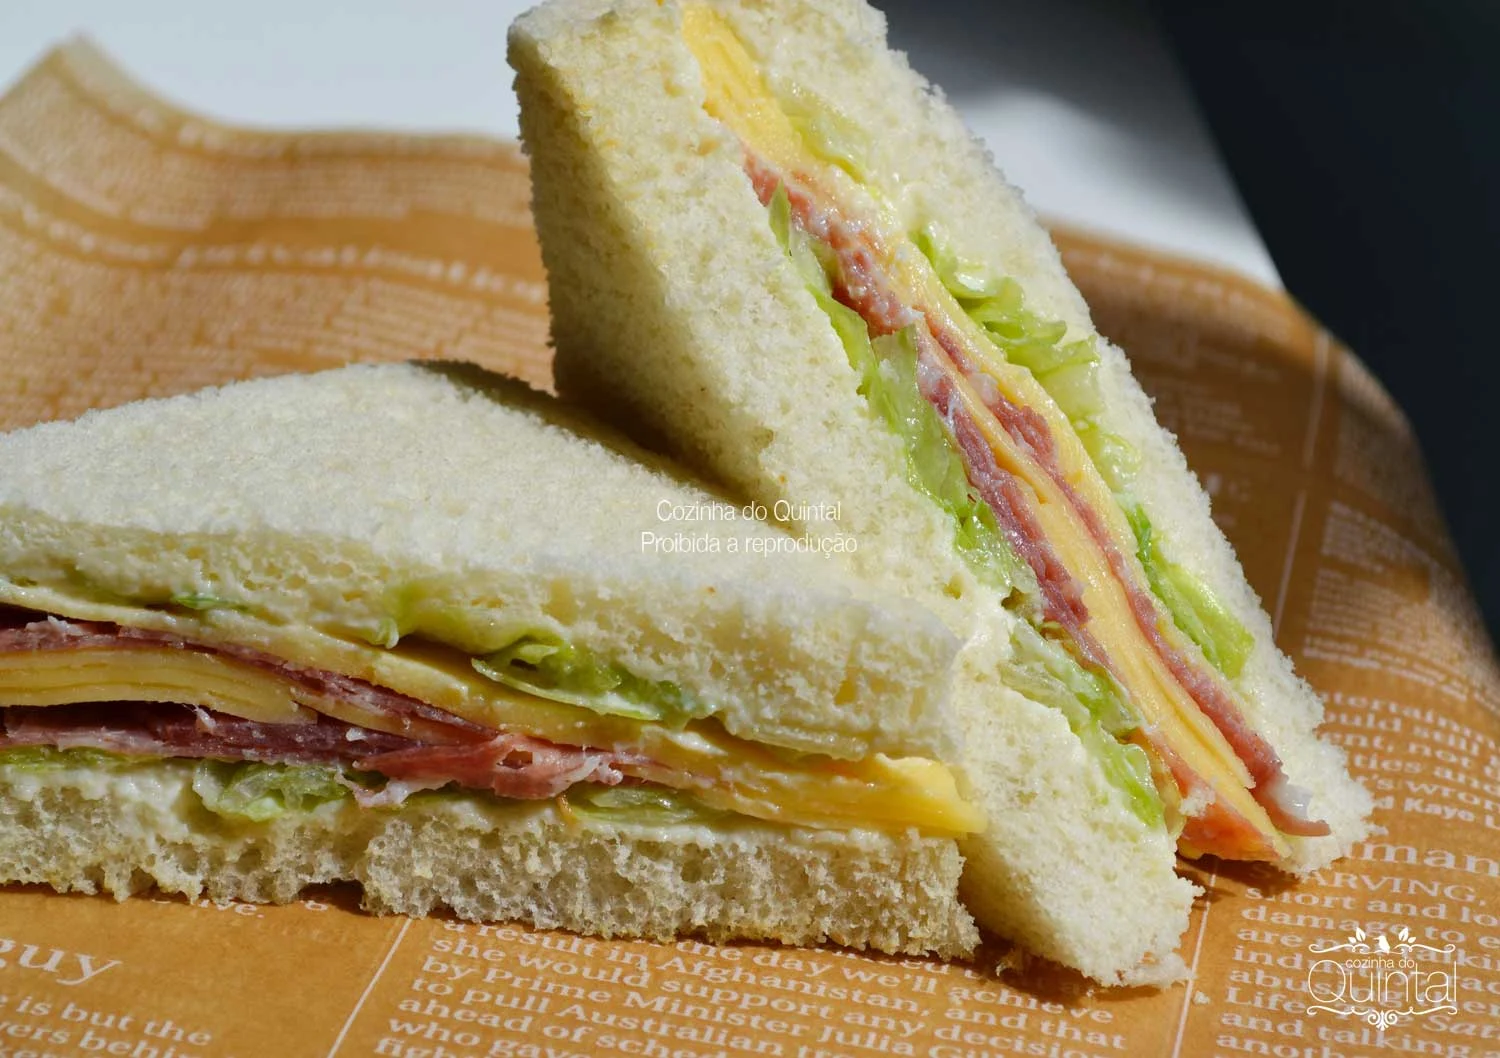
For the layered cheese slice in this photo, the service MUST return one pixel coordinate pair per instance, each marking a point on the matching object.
(1137, 652)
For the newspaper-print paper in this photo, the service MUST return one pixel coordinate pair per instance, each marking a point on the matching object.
(147, 251)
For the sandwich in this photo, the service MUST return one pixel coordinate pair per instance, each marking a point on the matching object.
(774, 251)
(413, 626)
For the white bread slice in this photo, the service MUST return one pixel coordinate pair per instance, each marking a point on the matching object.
(122, 832)
(325, 501)
(676, 315)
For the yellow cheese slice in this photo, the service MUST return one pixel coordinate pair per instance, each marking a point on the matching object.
(134, 674)
(735, 94)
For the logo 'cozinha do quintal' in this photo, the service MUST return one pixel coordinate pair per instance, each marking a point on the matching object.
(1383, 980)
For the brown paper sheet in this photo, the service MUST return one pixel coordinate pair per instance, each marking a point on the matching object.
(147, 251)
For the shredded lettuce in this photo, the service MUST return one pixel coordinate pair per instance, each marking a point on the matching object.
(50, 758)
(966, 280)
(812, 258)
(889, 383)
(1069, 372)
(386, 633)
(1095, 708)
(249, 792)
(258, 793)
(829, 134)
(243, 791)
(201, 601)
(638, 805)
(412, 607)
(1225, 642)
(888, 380)
(545, 666)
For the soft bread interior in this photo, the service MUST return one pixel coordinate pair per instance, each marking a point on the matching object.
(470, 511)
(489, 859)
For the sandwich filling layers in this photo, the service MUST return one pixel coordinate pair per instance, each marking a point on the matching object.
(996, 415)
(320, 717)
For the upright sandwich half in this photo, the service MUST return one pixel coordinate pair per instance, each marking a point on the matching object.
(409, 625)
(773, 249)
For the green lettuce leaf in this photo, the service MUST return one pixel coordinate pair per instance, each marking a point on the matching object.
(257, 793)
(415, 608)
(1069, 372)
(200, 601)
(238, 790)
(888, 368)
(965, 280)
(1095, 708)
(813, 259)
(386, 633)
(1225, 642)
(638, 805)
(829, 134)
(543, 665)
(888, 380)
(50, 758)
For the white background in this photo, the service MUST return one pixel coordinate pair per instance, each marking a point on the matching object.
(1078, 99)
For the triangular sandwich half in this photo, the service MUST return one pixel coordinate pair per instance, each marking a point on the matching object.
(420, 628)
(773, 249)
